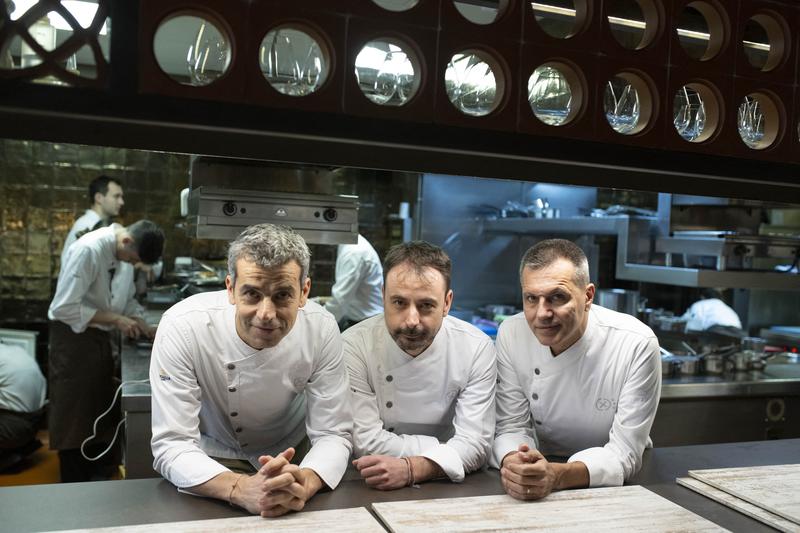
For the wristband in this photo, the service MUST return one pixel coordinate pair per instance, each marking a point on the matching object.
(233, 488)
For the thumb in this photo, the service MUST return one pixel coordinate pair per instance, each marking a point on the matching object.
(523, 448)
(264, 459)
(288, 454)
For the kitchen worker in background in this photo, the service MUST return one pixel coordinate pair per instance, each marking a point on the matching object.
(710, 311)
(246, 380)
(356, 293)
(106, 197)
(81, 368)
(22, 396)
(574, 380)
(422, 382)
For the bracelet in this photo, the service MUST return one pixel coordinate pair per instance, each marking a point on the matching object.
(233, 488)
(410, 471)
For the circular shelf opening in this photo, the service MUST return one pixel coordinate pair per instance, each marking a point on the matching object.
(474, 82)
(483, 12)
(396, 5)
(696, 112)
(633, 23)
(294, 60)
(191, 49)
(388, 72)
(561, 19)
(764, 42)
(628, 103)
(701, 30)
(555, 93)
(759, 121)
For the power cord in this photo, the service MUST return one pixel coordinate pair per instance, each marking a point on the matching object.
(104, 413)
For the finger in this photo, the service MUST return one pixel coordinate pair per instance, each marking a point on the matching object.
(274, 465)
(272, 512)
(374, 481)
(278, 482)
(264, 459)
(288, 453)
(280, 497)
(296, 504)
(535, 470)
(520, 478)
(366, 461)
(523, 448)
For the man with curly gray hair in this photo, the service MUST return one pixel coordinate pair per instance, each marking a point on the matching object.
(247, 381)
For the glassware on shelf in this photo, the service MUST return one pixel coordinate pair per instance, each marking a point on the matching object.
(396, 5)
(385, 73)
(471, 85)
(751, 122)
(689, 113)
(44, 34)
(550, 95)
(208, 56)
(293, 62)
(621, 105)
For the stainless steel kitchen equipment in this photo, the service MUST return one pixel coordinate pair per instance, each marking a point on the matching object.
(622, 300)
(216, 213)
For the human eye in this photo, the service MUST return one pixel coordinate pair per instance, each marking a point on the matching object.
(559, 298)
(250, 295)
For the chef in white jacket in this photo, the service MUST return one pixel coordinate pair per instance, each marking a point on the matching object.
(422, 382)
(240, 377)
(357, 291)
(574, 380)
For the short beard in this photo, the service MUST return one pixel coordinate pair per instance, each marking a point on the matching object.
(415, 346)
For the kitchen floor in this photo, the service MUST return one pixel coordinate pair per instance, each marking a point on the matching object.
(38, 468)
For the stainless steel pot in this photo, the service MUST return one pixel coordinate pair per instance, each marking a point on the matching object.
(689, 365)
(669, 366)
(714, 363)
(622, 300)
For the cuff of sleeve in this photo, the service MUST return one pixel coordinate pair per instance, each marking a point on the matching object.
(192, 468)
(447, 459)
(507, 443)
(604, 467)
(86, 315)
(328, 458)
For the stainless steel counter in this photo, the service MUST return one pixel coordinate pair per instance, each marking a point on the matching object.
(782, 379)
(149, 501)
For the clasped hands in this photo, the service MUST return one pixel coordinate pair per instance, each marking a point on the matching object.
(527, 475)
(277, 488)
(384, 472)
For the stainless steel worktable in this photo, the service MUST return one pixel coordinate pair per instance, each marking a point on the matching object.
(143, 501)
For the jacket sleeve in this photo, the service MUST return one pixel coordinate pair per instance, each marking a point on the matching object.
(175, 411)
(78, 274)
(621, 457)
(514, 424)
(329, 419)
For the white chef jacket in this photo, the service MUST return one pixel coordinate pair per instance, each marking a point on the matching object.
(357, 292)
(711, 312)
(595, 402)
(123, 290)
(84, 283)
(439, 404)
(22, 385)
(212, 394)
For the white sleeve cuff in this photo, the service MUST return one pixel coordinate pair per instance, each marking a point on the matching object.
(328, 457)
(192, 468)
(507, 443)
(604, 467)
(447, 459)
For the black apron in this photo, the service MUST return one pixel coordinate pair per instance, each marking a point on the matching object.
(82, 385)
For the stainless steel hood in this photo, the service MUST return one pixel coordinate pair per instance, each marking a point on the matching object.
(216, 213)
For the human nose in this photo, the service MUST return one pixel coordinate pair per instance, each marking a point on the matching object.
(266, 310)
(412, 316)
(543, 310)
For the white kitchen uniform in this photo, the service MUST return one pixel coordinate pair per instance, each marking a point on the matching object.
(439, 404)
(84, 283)
(123, 291)
(594, 402)
(711, 312)
(213, 395)
(22, 386)
(358, 290)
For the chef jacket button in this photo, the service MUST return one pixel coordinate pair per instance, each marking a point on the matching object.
(243, 445)
(234, 413)
(390, 429)
(238, 430)
(538, 422)
(389, 378)
(535, 396)
(231, 389)
(536, 371)
(389, 404)
(231, 366)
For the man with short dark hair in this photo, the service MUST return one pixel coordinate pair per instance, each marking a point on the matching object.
(574, 380)
(247, 380)
(422, 382)
(81, 368)
(106, 201)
